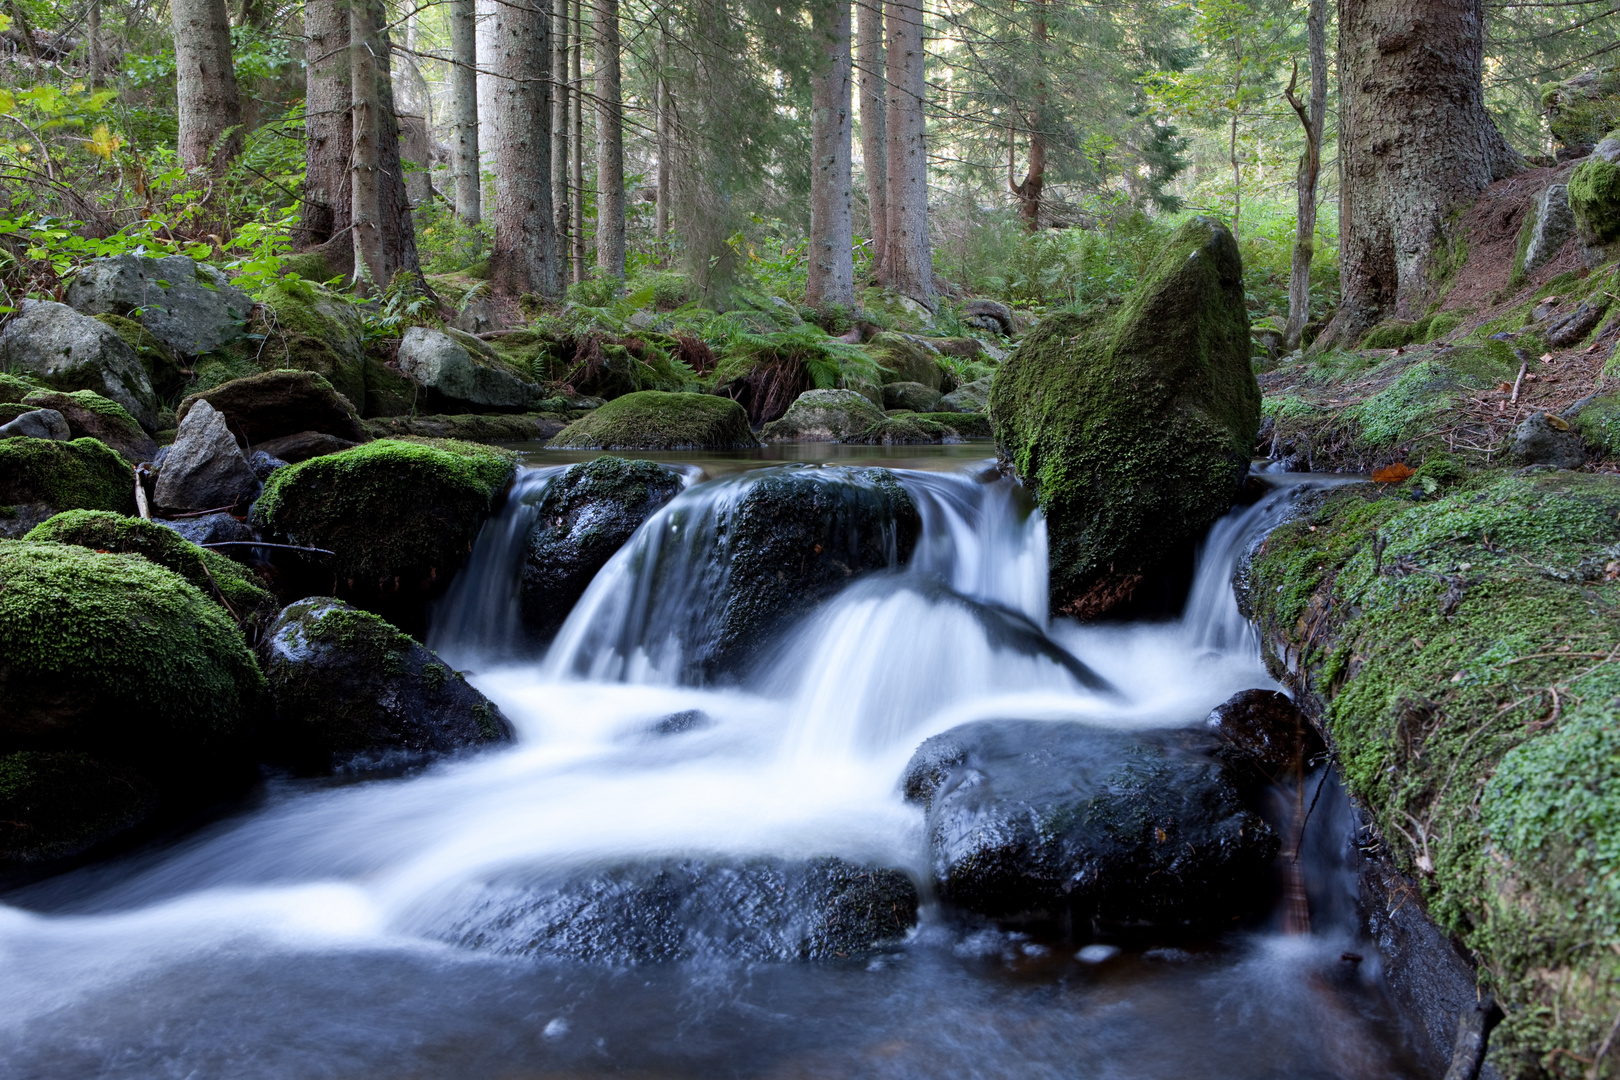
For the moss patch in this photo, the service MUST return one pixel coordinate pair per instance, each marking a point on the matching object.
(81, 474)
(54, 805)
(1461, 651)
(653, 420)
(1594, 198)
(225, 581)
(162, 368)
(15, 387)
(1598, 421)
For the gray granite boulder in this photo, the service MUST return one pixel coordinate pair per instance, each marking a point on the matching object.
(204, 469)
(971, 398)
(1551, 225)
(39, 424)
(825, 416)
(69, 351)
(457, 380)
(191, 308)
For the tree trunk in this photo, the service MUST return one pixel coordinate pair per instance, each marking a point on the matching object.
(576, 80)
(609, 142)
(874, 143)
(524, 259)
(832, 198)
(1415, 145)
(384, 235)
(910, 269)
(560, 198)
(1311, 116)
(414, 101)
(210, 110)
(1029, 192)
(665, 133)
(464, 165)
(328, 133)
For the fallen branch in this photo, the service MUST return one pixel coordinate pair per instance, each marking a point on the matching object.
(261, 543)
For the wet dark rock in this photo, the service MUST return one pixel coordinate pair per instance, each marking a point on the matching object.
(276, 404)
(37, 424)
(204, 469)
(1264, 734)
(355, 694)
(304, 445)
(682, 722)
(584, 516)
(211, 528)
(55, 804)
(89, 415)
(1044, 819)
(761, 909)
(1544, 439)
(264, 464)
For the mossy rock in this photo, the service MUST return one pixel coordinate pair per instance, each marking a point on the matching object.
(903, 359)
(308, 265)
(91, 416)
(842, 416)
(1581, 110)
(388, 391)
(15, 387)
(399, 516)
(471, 427)
(82, 474)
(545, 357)
(355, 694)
(1459, 652)
(1396, 334)
(1598, 421)
(55, 804)
(311, 330)
(167, 374)
(220, 579)
(1133, 425)
(655, 420)
(1594, 192)
(113, 655)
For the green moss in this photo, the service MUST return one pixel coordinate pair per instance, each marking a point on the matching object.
(1599, 424)
(1133, 425)
(15, 387)
(309, 329)
(396, 512)
(90, 400)
(470, 427)
(1463, 649)
(81, 474)
(651, 420)
(162, 368)
(904, 360)
(54, 804)
(115, 652)
(218, 577)
(309, 265)
(1594, 198)
(1581, 110)
(1411, 406)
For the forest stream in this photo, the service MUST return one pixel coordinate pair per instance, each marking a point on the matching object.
(389, 929)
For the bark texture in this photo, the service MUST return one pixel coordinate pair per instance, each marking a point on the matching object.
(1312, 116)
(210, 109)
(609, 142)
(832, 196)
(328, 132)
(384, 235)
(1416, 145)
(464, 109)
(560, 195)
(874, 143)
(576, 82)
(908, 267)
(524, 259)
(1030, 190)
(665, 134)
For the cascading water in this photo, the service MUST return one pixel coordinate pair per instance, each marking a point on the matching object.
(324, 932)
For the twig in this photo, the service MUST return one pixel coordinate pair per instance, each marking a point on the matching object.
(1522, 369)
(204, 513)
(261, 543)
(140, 496)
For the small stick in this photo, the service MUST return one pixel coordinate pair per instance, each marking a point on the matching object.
(261, 543)
(1522, 369)
(140, 497)
(204, 513)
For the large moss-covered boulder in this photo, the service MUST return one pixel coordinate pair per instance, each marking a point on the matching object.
(279, 403)
(655, 420)
(65, 350)
(471, 427)
(58, 804)
(682, 909)
(1581, 110)
(399, 517)
(191, 307)
(39, 477)
(230, 584)
(902, 358)
(91, 416)
(310, 329)
(583, 517)
(1459, 653)
(115, 656)
(167, 374)
(1133, 426)
(354, 694)
(1070, 821)
(826, 416)
(1594, 192)
(459, 373)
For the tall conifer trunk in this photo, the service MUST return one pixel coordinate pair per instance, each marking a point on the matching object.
(832, 198)
(910, 267)
(560, 196)
(382, 230)
(524, 259)
(328, 133)
(576, 80)
(874, 142)
(209, 106)
(610, 241)
(464, 165)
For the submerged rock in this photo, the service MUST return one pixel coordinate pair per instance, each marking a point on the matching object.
(191, 307)
(758, 909)
(56, 804)
(354, 694)
(1264, 734)
(1133, 426)
(656, 420)
(69, 351)
(204, 469)
(1047, 819)
(585, 515)
(399, 517)
(90, 415)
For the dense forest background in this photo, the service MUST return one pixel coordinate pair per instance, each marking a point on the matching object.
(682, 137)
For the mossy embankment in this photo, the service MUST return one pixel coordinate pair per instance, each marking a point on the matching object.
(1457, 642)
